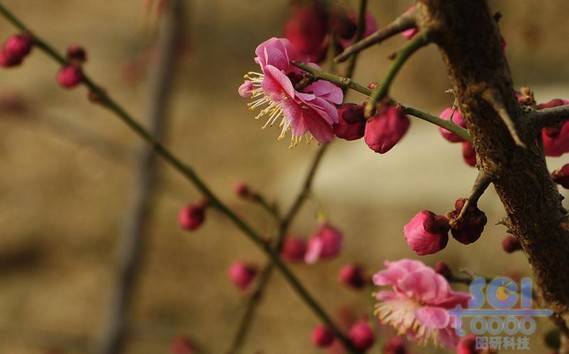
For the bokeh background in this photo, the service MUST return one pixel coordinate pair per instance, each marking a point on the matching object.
(68, 167)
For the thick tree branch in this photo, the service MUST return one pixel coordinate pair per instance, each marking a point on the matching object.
(468, 37)
(419, 41)
(400, 24)
(548, 117)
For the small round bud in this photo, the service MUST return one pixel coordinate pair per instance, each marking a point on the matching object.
(192, 216)
(322, 336)
(384, 130)
(467, 345)
(242, 190)
(561, 176)
(352, 276)
(469, 154)
(511, 244)
(351, 124)
(70, 76)
(324, 244)
(19, 45)
(470, 227)
(426, 233)
(361, 335)
(443, 269)
(453, 115)
(182, 345)
(242, 274)
(294, 249)
(396, 345)
(8, 60)
(76, 54)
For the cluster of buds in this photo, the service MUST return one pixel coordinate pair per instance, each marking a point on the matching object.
(71, 74)
(467, 228)
(360, 334)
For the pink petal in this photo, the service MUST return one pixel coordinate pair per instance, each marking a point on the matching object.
(327, 91)
(276, 84)
(433, 317)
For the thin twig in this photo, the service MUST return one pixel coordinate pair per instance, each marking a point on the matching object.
(400, 24)
(188, 172)
(360, 31)
(494, 100)
(134, 234)
(483, 181)
(548, 117)
(419, 41)
(346, 82)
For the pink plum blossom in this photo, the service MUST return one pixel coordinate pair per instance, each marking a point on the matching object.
(308, 110)
(426, 233)
(325, 243)
(418, 303)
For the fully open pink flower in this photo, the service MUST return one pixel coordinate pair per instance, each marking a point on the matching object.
(308, 110)
(417, 304)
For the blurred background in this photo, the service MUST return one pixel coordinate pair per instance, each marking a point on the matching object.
(69, 168)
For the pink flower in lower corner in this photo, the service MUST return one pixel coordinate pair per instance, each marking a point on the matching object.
(304, 110)
(418, 303)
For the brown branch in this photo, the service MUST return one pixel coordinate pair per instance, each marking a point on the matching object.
(548, 117)
(469, 40)
(483, 181)
(133, 238)
(400, 24)
(493, 98)
(268, 268)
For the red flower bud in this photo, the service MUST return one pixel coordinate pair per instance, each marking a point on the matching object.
(453, 115)
(76, 54)
(511, 244)
(352, 275)
(242, 190)
(307, 29)
(294, 249)
(555, 139)
(8, 60)
(469, 154)
(70, 76)
(426, 233)
(322, 336)
(351, 125)
(561, 176)
(181, 345)
(361, 335)
(192, 216)
(384, 130)
(443, 269)
(242, 274)
(19, 45)
(395, 345)
(470, 227)
(324, 244)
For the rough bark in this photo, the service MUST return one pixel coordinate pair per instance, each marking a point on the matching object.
(468, 37)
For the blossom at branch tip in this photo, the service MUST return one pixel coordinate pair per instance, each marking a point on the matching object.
(426, 233)
(453, 115)
(309, 109)
(555, 139)
(384, 130)
(418, 303)
(16, 48)
(470, 227)
(324, 244)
